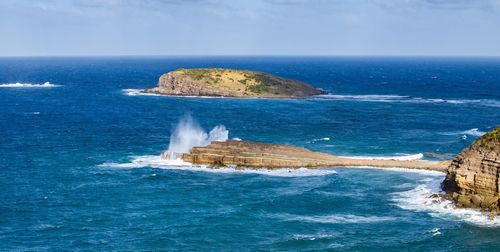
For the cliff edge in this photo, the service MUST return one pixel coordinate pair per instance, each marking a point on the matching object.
(472, 179)
(223, 82)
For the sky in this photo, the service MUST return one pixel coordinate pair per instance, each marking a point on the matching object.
(250, 27)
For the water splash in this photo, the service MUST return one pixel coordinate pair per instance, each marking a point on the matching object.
(188, 134)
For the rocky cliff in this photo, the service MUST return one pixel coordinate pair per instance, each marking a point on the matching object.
(230, 83)
(472, 179)
(261, 155)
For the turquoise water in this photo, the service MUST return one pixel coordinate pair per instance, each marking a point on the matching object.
(79, 166)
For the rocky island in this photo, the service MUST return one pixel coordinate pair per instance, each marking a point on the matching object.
(222, 82)
(472, 179)
(273, 156)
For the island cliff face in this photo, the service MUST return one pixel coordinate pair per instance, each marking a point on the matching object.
(230, 83)
(472, 179)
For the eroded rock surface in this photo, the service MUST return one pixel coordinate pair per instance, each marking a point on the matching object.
(472, 179)
(252, 154)
(230, 83)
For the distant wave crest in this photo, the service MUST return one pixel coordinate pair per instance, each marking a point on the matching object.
(407, 99)
(335, 218)
(28, 85)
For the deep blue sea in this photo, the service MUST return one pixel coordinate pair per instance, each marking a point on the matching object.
(79, 167)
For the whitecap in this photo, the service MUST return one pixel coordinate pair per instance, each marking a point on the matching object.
(406, 99)
(323, 139)
(312, 237)
(420, 199)
(335, 218)
(470, 132)
(370, 97)
(435, 232)
(402, 157)
(178, 164)
(28, 85)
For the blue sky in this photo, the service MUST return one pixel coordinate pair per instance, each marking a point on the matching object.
(253, 27)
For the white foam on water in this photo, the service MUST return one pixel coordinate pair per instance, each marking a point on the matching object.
(435, 232)
(419, 199)
(139, 92)
(148, 161)
(400, 169)
(28, 85)
(335, 218)
(312, 237)
(465, 133)
(371, 97)
(473, 132)
(136, 92)
(402, 158)
(323, 139)
(407, 99)
(178, 164)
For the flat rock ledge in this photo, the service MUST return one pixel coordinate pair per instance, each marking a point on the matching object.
(273, 156)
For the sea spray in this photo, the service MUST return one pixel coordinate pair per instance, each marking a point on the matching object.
(188, 134)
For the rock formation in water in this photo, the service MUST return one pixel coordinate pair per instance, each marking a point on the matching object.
(473, 176)
(261, 155)
(230, 83)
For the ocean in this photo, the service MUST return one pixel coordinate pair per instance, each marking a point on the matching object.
(80, 167)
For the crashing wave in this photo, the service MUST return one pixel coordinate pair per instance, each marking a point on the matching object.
(28, 85)
(188, 134)
(421, 199)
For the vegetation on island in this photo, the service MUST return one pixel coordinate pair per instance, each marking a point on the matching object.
(491, 139)
(247, 83)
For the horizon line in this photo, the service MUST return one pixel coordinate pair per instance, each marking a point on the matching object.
(250, 55)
